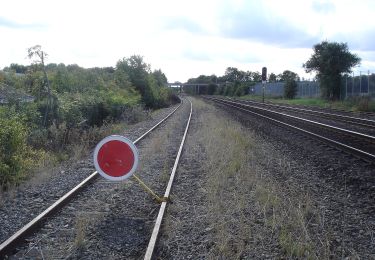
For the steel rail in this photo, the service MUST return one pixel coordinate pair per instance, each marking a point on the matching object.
(365, 155)
(346, 131)
(159, 219)
(351, 119)
(11, 242)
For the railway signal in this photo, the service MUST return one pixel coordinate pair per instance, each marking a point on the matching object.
(264, 74)
(116, 158)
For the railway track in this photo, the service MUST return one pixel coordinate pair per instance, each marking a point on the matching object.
(18, 238)
(361, 145)
(347, 118)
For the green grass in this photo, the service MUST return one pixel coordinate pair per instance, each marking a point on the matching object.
(364, 104)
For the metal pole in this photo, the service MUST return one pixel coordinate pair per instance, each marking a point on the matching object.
(368, 82)
(360, 83)
(263, 91)
(346, 86)
(353, 84)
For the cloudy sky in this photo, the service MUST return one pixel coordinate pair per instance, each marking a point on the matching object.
(186, 38)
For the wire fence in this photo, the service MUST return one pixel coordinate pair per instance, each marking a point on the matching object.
(276, 89)
(357, 84)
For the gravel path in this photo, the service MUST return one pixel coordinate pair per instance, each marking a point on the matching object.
(20, 205)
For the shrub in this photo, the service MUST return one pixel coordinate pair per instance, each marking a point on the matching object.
(290, 88)
(16, 157)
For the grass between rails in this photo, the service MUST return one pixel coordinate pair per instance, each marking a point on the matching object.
(252, 214)
(356, 104)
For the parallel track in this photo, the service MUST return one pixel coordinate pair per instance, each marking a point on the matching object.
(359, 144)
(364, 122)
(17, 238)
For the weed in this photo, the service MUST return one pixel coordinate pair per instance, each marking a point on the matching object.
(80, 228)
(238, 185)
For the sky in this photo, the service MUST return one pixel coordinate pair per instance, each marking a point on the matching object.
(187, 38)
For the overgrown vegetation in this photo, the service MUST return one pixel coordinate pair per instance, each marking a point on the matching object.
(71, 105)
(246, 205)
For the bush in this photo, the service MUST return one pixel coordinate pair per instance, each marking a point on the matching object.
(290, 89)
(16, 157)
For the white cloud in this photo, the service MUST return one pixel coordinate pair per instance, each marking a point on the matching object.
(185, 38)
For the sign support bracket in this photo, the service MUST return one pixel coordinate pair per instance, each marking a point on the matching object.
(147, 189)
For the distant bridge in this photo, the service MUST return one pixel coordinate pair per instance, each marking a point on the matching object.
(178, 84)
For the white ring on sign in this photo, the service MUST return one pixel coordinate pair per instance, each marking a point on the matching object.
(121, 139)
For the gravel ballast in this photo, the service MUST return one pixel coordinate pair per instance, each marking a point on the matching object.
(307, 200)
(21, 204)
(245, 189)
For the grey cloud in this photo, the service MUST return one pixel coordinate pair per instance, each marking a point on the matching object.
(254, 22)
(360, 41)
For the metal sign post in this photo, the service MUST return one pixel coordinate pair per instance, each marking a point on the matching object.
(116, 159)
(263, 87)
(264, 80)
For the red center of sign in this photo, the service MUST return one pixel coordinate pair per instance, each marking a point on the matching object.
(115, 158)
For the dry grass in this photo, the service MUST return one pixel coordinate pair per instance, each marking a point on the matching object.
(80, 229)
(247, 207)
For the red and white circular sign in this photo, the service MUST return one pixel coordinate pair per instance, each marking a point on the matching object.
(116, 158)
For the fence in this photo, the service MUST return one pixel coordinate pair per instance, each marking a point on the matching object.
(276, 89)
(356, 84)
(362, 84)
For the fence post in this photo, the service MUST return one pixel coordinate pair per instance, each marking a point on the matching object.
(353, 84)
(368, 82)
(360, 83)
(346, 86)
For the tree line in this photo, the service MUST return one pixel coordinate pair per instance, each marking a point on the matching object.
(236, 82)
(330, 60)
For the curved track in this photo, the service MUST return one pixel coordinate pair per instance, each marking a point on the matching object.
(356, 143)
(18, 237)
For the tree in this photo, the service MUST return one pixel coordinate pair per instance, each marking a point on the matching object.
(289, 75)
(272, 77)
(290, 88)
(257, 77)
(330, 60)
(233, 74)
(137, 72)
(36, 51)
(160, 78)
